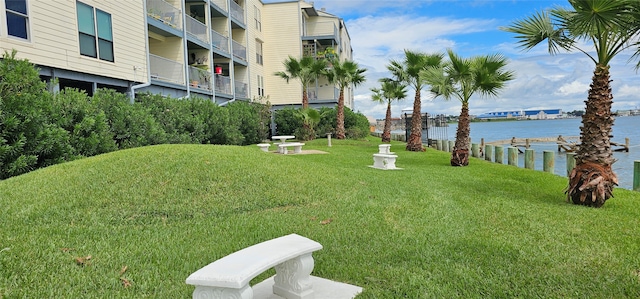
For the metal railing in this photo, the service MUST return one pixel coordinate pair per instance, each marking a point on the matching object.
(237, 12)
(196, 29)
(320, 29)
(242, 89)
(166, 69)
(222, 4)
(239, 50)
(199, 78)
(164, 12)
(222, 84)
(219, 41)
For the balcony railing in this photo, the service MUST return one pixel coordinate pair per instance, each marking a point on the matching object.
(197, 29)
(219, 41)
(199, 78)
(164, 12)
(239, 51)
(166, 70)
(242, 90)
(237, 12)
(222, 4)
(222, 84)
(321, 29)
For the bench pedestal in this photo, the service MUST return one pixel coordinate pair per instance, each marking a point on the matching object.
(297, 147)
(384, 161)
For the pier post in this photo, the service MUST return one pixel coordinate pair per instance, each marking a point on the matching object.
(512, 156)
(548, 161)
(571, 162)
(499, 154)
(475, 151)
(636, 175)
(488, 152)
(445, 145)
(439, 144)
(452, 145)
(529, 158)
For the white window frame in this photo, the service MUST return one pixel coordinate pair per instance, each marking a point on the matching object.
(25, 16)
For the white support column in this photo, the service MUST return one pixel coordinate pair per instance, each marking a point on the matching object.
(293, 278)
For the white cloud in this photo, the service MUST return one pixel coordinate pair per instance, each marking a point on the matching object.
(574, 87)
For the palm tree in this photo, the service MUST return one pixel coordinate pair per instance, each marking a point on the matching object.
(408, 71)
(462, 78)
(389, 91)
(343, 74)
(610, 27)
(307, 70)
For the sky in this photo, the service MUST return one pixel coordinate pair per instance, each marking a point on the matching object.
(381, 30)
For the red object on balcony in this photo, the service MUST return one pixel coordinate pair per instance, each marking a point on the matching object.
(217, 70)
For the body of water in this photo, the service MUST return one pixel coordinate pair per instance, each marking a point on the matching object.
(624, 127)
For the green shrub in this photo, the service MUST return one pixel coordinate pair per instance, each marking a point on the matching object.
(86, 124)
(247, 117)
(327, 122)
(287, 120)
(131, 125)
(175, 116)
(356, 124)
(28, 139)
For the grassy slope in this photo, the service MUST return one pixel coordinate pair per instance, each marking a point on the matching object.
(430, 230)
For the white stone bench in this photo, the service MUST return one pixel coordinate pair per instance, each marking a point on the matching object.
(229, 276)
(297, 147)
(384, 161)
(384, 149)
(264, 146)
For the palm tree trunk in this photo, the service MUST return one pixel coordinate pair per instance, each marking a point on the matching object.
(414, 142)
(305, 98)
(460, 155)
(591, 182)
(340, 116)
(386, 133)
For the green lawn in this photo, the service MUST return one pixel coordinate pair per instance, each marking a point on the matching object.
(149, 217)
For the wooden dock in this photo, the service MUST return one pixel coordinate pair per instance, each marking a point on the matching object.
(565, 143)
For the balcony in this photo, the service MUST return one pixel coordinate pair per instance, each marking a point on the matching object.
(221, 5)
(237, 13)
(239, 51)
(197, 30)
(326, 33)
(241, 90)
(164, 13)
(219, 41)
(199, 78)
(166, 70)
(223, 84)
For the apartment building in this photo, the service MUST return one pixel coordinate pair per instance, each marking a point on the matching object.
(224, 50)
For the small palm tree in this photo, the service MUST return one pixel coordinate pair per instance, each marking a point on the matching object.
(610, 27)
(307, 70)
(389, 91)
(408, 71)
(343, 74)
(462, 78)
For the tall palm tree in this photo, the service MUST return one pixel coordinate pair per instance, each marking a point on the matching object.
(408, 71)
(343, 74)
(609, 27)
(462, 78)
(389, 91)
(307, 70)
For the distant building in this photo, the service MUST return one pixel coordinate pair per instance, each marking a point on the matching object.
(523, 114)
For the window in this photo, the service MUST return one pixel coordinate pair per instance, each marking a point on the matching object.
(259, 58)
(257, 17)
(260, 85)
(17, 18)
(90, 21)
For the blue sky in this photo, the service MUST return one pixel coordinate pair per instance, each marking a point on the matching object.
(380, 30)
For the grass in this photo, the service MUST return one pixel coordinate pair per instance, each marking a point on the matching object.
(148, 217)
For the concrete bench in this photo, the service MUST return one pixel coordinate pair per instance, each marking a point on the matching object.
(264, 146)
(384, 161)
(384, 149)
(229, 276)
(297, 147)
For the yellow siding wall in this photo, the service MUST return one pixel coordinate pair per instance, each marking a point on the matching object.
(255, 34)
(54, 38)
(282, 38)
